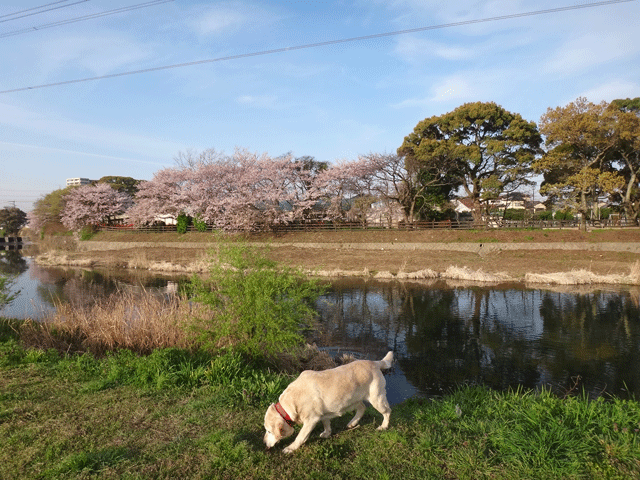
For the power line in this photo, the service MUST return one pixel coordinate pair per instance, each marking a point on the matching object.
(322, 44)
(41, 11)
(32, 8)
(83, 18)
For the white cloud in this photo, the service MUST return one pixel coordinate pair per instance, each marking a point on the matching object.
(94, 136)
(452, 88)
(99, 54)
(21, 148)
(219, 20)
(589, 51)
(229, 17)
(417, 50)
(461, 87)
(261, 101)
(611, 91)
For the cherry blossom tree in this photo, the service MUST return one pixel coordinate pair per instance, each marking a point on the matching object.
(91, 205)
(244, 191)
(164, 194)
(250, 191)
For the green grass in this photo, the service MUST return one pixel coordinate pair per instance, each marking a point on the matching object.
(175, 414)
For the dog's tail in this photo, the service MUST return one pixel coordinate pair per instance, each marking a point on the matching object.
(386, 361)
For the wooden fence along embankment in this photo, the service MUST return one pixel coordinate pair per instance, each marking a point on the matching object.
(424, 225)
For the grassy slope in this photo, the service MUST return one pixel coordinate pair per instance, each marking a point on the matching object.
(171, 415)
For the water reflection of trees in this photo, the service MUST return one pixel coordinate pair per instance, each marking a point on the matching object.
(600, 338)
(12, 263)
(84, 287)
(506, 337)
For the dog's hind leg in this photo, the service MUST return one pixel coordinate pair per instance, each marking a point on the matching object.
(360, 408)
(381, 404)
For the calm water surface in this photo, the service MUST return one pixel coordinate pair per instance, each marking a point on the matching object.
(443, 334)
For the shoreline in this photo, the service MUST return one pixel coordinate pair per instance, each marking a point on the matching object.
(605, 263)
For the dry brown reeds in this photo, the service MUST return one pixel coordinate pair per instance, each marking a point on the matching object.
(140, 322)
(467, 274)
(586, 277)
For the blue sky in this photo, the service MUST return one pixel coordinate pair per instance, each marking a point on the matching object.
(332, 102)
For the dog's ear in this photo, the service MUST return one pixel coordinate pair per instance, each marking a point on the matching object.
(283, 430)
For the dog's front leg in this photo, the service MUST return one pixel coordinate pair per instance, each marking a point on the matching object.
(302, 437)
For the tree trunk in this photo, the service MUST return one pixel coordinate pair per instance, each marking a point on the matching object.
(583, 211)
(631, 208)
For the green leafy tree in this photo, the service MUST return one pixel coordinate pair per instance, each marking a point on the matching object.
(581, 143)
(12, 219)
(259, 308)
(625, 120)
(47, 211)
(479, 146)
(126, 185)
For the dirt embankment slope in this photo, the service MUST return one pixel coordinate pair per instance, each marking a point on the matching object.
(503, 254)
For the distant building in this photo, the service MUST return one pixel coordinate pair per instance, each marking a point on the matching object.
(463, 205)
(74, 182)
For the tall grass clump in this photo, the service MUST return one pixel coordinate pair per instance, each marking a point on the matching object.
(258, 307)
(125, 320)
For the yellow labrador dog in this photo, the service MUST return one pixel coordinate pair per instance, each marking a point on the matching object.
(320, 396)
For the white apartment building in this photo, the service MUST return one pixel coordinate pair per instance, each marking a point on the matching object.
(73, 182)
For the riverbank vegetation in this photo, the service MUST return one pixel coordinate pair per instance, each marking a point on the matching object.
(179, 414)
(136, 388)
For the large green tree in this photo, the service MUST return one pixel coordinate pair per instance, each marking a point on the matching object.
(126, 185)
(581, 142)
(12, 219)
(479, 146)
(48, 209)
(625, 119)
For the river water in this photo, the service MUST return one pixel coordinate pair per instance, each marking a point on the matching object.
(443, 334)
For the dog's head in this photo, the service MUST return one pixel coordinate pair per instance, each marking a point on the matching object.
(276, 427)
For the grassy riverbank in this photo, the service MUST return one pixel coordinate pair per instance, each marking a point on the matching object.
(175, 414)
(93, 394)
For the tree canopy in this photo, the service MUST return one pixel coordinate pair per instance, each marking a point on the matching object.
(126, 185)
(47, 210)
(12, 219)
(479, 146)
(625, 121)
(93, 204)
(581, 143)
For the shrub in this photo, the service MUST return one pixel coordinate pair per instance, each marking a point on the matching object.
(560, 215)
(201, 225)
(87, 233)
(546, 215)
(259, 308)
(183, 222)
(513, 214)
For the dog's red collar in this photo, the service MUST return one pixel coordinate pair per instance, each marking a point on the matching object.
(284, 414)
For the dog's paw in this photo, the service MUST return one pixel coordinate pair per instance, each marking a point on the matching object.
(351, 427)
(325, 434)
(289, 450)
